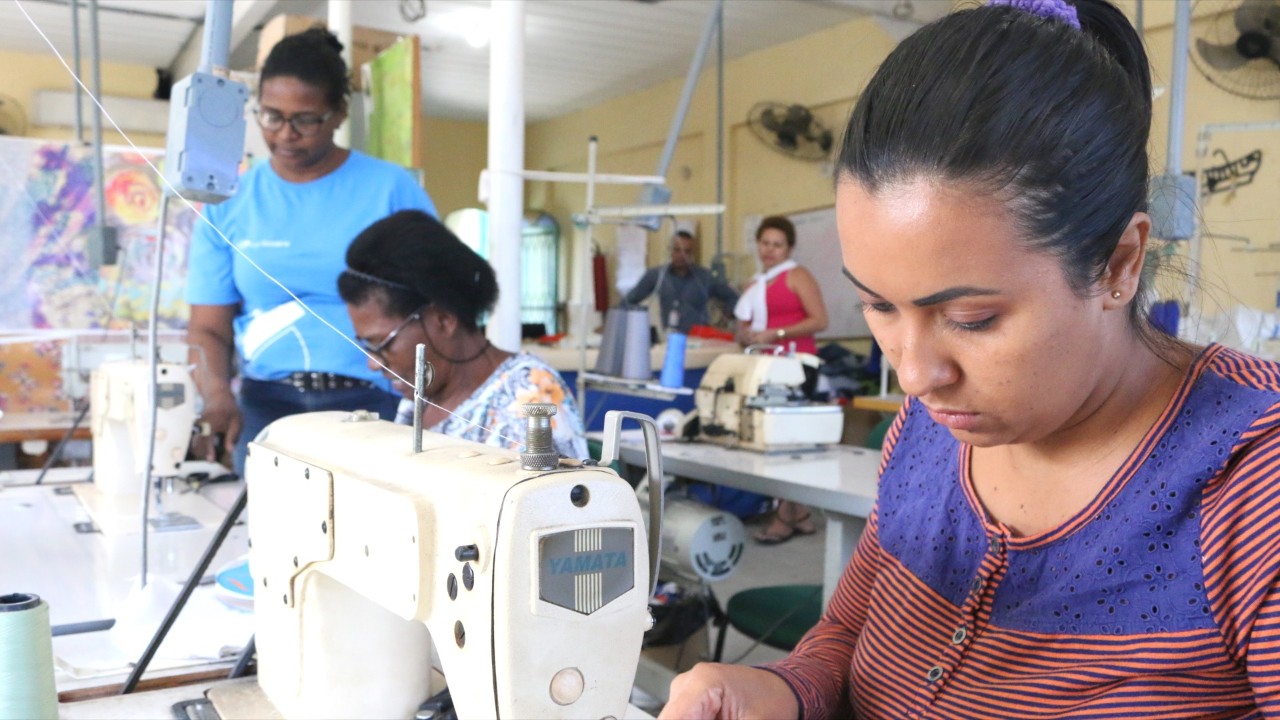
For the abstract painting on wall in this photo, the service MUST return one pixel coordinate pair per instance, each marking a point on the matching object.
(47, 215)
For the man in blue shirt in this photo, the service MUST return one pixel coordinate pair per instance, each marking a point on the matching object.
(684, 288)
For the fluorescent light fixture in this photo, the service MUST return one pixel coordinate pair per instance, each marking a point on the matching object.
(471, 23)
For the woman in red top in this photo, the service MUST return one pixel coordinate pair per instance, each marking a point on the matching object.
(782, 305)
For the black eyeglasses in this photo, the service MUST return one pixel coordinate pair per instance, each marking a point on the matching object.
(305, 124)
(377, 350)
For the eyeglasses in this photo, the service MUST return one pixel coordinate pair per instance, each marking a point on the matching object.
(305, 124)
(377, 350)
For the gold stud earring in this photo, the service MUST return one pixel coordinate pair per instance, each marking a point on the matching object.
(1115, 294)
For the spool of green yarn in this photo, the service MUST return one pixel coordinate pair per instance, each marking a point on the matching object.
(27, 691)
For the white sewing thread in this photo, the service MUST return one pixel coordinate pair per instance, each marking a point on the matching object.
(27, 688)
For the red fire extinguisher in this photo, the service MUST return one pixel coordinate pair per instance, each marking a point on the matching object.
(599, 274)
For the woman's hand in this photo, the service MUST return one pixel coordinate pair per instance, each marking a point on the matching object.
(221, 417)
(714, 691)
(747, 337)
(212, 339)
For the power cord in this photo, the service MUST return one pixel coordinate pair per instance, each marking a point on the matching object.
(56, 453)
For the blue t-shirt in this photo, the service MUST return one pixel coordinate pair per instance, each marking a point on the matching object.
(299, 234)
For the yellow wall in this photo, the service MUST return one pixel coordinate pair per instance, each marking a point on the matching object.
(455, 152)
(1231, 271)
(823, 71)
(21, 74)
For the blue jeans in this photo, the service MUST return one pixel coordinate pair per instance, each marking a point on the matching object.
(264, 402)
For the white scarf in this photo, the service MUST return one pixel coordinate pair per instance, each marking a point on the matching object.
(752, 306)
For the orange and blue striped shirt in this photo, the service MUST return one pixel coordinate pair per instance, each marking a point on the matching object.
(1160, 599)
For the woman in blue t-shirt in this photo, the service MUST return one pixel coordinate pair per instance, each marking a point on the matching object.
(289, 227)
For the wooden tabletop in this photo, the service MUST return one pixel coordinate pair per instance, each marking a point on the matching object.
(51, 426)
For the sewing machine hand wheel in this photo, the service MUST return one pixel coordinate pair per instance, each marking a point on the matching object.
(653, 463)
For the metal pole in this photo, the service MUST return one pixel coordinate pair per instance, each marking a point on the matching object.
(1178, 87)
(660, 194)
(76, 65)
(246, 656)
(217, 36)
(690, 82)
(153, 390)
(584, 279)
(419, 393)
(719, 262)
(99, 168)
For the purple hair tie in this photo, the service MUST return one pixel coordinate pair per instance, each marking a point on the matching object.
(1052, 9)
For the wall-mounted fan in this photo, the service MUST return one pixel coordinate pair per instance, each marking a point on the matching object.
(13, 119)
(1239, 49)
(791, 130)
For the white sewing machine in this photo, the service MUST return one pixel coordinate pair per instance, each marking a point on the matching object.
(120, 414)
(753, 402)
(533, 583)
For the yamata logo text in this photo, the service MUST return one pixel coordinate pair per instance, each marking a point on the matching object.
(588, 562)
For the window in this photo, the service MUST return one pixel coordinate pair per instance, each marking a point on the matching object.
(539, 260)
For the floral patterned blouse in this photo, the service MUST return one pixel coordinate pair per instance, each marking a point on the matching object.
(520, 379)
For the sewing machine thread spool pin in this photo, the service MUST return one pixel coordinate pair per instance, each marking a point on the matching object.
(464, 553)
(539, 450)
(423, 374)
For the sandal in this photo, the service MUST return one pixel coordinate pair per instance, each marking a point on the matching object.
(769, 536)
(804, 525)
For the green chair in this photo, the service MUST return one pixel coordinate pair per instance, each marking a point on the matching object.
(875, 438)
(777, 616)
(595, 448)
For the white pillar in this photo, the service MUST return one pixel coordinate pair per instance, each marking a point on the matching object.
(340, 25)
(506, 158)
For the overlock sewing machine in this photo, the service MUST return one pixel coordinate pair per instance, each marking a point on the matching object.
(753, 401)
(530, 574)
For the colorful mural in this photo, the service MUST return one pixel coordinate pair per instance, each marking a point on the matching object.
(46, 218)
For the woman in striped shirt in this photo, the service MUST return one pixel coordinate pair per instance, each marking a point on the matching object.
(1078, 517)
